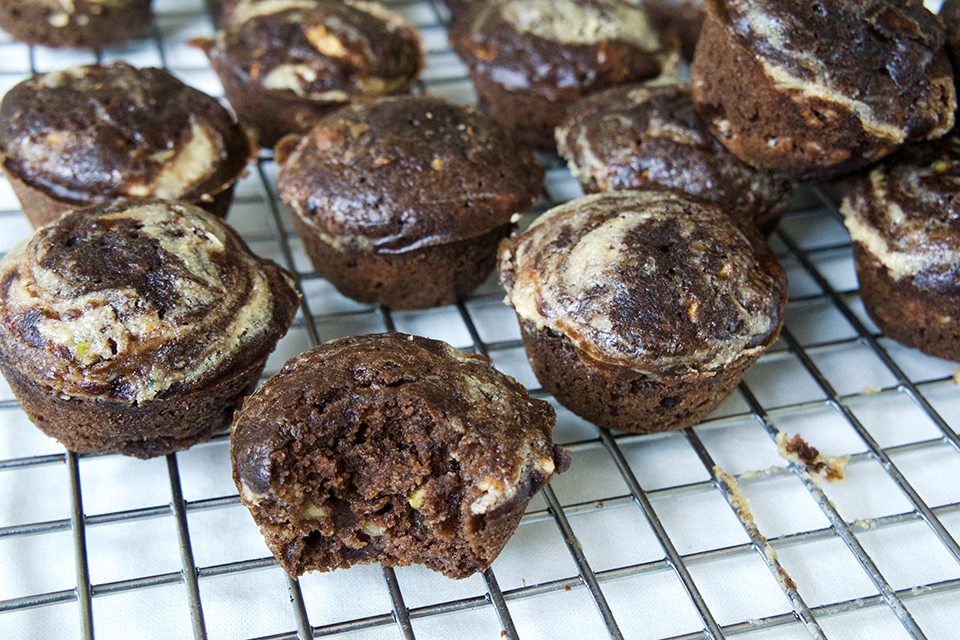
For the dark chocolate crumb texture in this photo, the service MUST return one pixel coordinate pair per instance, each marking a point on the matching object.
(394, 449)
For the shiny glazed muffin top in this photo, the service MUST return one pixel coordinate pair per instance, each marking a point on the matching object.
(648, 280)
(397, 174)
(138, 300)
(93, 133)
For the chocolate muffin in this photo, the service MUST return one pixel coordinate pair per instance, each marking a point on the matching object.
(402, 201)
(904, 220)
(394, 449)
(682, 17)
(137, 326)
(642, 310)
(93, 134)
(82, 24)
(950, 15)
(815, 90)
(285, 64)
(650, 135)
(221, 11)
(459, 7)
(530, 59)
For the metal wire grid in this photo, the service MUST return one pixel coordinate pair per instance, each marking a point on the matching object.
(824, 368)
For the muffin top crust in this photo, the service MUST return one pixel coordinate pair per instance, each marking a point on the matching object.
(906, 213)
(397, 174)
(320, 50)
(648, 280)
(92, 133)
(573, 22)
(650, 134)
(880, 60)
(138, 300)
(561, 46)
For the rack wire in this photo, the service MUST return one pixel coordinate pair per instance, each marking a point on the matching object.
(644, 537)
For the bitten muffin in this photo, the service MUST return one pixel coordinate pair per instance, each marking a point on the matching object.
(137, 326)
(642, 310)
(285, 64)
(904, 220)
(650, 135)
(394, 449)
(402, 201)
(82, 24)
(93, 134)
(530, 59)
(815, 90)
(683, 17)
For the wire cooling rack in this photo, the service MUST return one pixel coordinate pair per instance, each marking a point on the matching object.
(639, 538)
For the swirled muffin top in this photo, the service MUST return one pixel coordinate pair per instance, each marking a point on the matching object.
(906, 214)
(881, 61)
(650, 134)
(95, 133)
(320, 50)
(648, 280)
(562, 47)
(138, 300)
(397, 174)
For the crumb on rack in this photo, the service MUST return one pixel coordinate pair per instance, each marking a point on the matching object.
(865, 524)
(742, 504)
(819, 466)
(759, 473)
(736, 498)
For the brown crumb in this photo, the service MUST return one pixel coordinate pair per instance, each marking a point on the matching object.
(797, 450)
